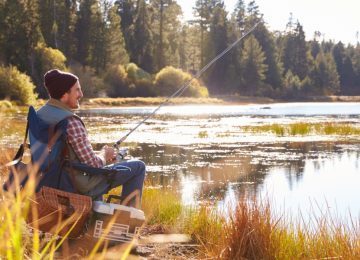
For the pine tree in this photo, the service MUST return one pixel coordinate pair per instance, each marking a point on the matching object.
(356, 65)
(267, 43)
(166, 27)
(57, 23)
(83, 31)
(217, 43)
(325, 76)
(127, 11)
(115, 52)
(142, 46)
(344, 68)
(253, 66)
(202, 12)
(20, 34)
(295, 52)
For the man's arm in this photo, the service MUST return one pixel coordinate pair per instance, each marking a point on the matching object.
(78, 139)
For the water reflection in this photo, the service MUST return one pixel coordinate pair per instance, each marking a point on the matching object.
(227, 163)
(292, 174)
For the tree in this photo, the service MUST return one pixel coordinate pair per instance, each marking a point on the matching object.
(57, 23)
(325, 77)
(344, 68)
(115, 51)
(166, 28)
(16, 86)
(83, 31)
(217, 43)
(356, 66)
(142, 46)
(46, 58)
(295, 52)
(202, 13)
(127, 11)
(20, 33)
(253, 66)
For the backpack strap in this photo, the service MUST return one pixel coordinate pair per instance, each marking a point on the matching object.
(19, 154)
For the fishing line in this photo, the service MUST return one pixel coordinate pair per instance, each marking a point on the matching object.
(186, 85)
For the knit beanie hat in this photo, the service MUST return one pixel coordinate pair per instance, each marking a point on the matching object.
(58, 82)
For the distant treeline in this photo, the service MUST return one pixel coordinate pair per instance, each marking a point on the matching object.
(144, 48)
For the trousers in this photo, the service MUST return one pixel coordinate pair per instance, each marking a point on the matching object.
(130, 175)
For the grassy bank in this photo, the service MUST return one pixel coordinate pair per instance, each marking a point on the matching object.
(218, 100)
(145, 101)
(251, 231)
(6, 105)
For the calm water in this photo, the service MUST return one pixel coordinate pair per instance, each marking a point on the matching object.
(203, 153)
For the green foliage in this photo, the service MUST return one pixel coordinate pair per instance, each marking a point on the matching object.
(50, 58)
(159, 210)
(20, 33)
(116, 81)
(5, 106)
(46, 58)
(134, 73)
(115, 52)
(292, 85)
(101, 34)
(203, 134)
(170, 79)
(16, 86)
(165, 28)
(91, 84)
(295, 52)
(325, 76)
(142, 44)
(217, 42)
(253, 65)
(302, 128)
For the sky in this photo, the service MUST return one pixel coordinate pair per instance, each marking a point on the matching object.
(337, 20)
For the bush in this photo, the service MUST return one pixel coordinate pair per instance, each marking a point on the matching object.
(117, 83)
(16, 86)
(91, 85)
(134, 73)
(169, 79)
(46, 59)
(5, 104)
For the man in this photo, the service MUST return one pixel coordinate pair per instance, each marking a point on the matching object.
(65, 93)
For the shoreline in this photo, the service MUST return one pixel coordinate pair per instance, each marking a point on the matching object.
(88, 103)
(216, 100)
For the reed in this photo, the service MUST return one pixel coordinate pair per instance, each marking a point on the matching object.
(302, 128)
(251, 231)
(146, 101)
(161, 207)
(203, 134)
(255, 232)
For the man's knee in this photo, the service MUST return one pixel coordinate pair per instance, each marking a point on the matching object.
(142, 166)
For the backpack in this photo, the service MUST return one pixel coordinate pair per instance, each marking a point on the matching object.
(48, 150)
(50, 163)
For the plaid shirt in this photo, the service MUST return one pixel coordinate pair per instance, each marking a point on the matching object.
(78, 139)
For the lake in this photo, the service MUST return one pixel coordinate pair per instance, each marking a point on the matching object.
(203, 153)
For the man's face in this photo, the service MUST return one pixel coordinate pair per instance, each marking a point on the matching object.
(73, 96)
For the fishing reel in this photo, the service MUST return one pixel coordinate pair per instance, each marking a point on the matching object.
(121, 153)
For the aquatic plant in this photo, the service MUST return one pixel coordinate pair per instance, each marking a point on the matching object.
(203, 134)
(161, 207)
(301, 128)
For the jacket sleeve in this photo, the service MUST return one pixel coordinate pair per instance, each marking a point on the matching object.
(79, 141)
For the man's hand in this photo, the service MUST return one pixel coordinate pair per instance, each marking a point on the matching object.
(109, 153)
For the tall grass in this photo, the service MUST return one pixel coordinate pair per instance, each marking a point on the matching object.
(251, 231)
(301, 128)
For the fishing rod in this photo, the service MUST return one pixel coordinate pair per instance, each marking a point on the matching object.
(185, 85)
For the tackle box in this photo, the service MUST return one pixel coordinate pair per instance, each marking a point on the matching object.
(114, 222)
